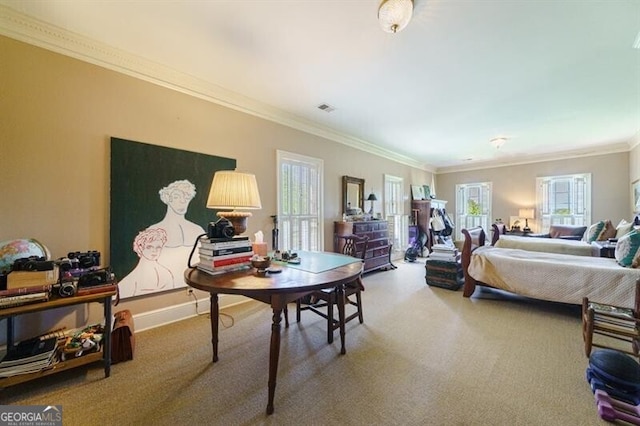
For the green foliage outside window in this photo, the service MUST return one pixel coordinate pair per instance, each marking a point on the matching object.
(474, 208)
(562, 211)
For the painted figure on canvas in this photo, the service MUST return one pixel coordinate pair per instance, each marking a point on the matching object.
(181, 233)
(149, 275)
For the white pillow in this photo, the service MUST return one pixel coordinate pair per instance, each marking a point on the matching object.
(623, 228)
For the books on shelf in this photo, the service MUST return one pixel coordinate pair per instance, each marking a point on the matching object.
(25, 290)
(22, 279)
(95, 289)
(29, 356)
(22, 299)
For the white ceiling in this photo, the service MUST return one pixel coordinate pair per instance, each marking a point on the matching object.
(552, 76)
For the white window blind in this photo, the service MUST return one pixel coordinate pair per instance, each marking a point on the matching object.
(394, 212)
(473, 206)
(563, 200)
(299, 202)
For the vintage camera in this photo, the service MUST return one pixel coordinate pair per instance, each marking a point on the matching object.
(32, 263)
(95, 278)
(86, 259)
(221, 228)
(67, 288)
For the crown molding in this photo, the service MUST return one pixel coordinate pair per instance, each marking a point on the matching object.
(38, 33)
(530, 159)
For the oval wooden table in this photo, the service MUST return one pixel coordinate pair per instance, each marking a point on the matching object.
(333, 270)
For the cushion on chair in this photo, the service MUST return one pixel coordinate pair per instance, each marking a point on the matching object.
(627, 248)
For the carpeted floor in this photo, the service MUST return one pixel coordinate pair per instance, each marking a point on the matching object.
(424, 356)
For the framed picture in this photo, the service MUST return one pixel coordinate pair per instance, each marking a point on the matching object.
(417, 192)
(635, 185)
(427, 192)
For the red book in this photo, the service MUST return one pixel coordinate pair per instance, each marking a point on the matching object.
(231, 261)
(25, 290)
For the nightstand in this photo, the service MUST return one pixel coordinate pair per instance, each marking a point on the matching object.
(604, 249)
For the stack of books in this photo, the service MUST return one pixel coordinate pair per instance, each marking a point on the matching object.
(21, 296)
(219, 255)
(29, 356)
(444, 253)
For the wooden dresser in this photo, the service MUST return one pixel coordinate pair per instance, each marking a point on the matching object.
(378, 248)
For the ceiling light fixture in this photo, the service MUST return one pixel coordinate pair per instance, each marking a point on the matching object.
(498, 142)
(394, 15)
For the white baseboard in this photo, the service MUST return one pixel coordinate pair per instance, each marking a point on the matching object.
(159, 317)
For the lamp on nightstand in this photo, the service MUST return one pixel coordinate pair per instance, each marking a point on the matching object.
(526, 214)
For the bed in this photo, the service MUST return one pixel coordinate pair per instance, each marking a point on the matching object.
(554, 277)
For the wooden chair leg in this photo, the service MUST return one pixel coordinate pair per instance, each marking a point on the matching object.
(330, 320)
(359, 302)
(286, 316)
(298, 310)
(588, 332)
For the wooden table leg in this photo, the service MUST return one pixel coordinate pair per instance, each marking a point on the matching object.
(106, 355)
(342, 301)
(274, 355)
(214, 312)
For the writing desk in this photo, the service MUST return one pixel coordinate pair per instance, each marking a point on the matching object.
(316, 271)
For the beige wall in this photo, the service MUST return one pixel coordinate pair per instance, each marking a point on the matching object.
(514, 186)
(57, 115)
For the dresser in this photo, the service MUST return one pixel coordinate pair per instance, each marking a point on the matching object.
(378, 247)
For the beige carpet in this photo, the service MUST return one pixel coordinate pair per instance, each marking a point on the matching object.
(425, 356)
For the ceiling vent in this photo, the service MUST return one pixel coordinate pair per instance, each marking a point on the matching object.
(326, 107)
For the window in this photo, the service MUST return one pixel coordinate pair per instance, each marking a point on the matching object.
(394, 212)
(473, 206)
(299, 202)
(563, 200)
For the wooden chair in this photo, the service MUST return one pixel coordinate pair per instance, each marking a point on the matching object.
(612, 322)
(351, 245)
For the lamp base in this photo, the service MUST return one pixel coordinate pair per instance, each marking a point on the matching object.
(237, 219)
(526, 226)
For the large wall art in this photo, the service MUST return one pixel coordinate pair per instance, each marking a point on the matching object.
(158, 209)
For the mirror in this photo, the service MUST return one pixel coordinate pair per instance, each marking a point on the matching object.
(352, 194)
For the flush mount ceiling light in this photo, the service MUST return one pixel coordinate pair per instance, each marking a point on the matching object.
(498, 142)
(394, 15)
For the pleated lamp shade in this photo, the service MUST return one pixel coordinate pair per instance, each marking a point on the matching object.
(234, 190)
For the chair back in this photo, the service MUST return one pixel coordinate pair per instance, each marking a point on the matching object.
(353, 245)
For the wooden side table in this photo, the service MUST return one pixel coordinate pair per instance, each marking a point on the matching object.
(604, 249)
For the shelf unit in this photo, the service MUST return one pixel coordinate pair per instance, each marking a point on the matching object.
(104, 355)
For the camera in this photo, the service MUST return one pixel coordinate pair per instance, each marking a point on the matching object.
(222, 228)
(32, 263)
(86, 259)
(67, 288)
(95, 278)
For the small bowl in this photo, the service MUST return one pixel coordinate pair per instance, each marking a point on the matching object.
(261, 264)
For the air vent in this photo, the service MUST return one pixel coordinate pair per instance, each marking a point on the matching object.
(326, 107)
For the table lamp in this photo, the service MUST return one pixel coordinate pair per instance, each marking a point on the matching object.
(372, 198)
(526, 214)
(234, 190)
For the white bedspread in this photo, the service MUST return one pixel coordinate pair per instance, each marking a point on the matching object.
(548, 245)
(555, 277)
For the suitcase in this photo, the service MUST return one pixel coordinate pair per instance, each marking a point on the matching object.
(444, 274)
(123, 341)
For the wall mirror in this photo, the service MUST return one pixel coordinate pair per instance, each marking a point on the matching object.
(352, 194)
